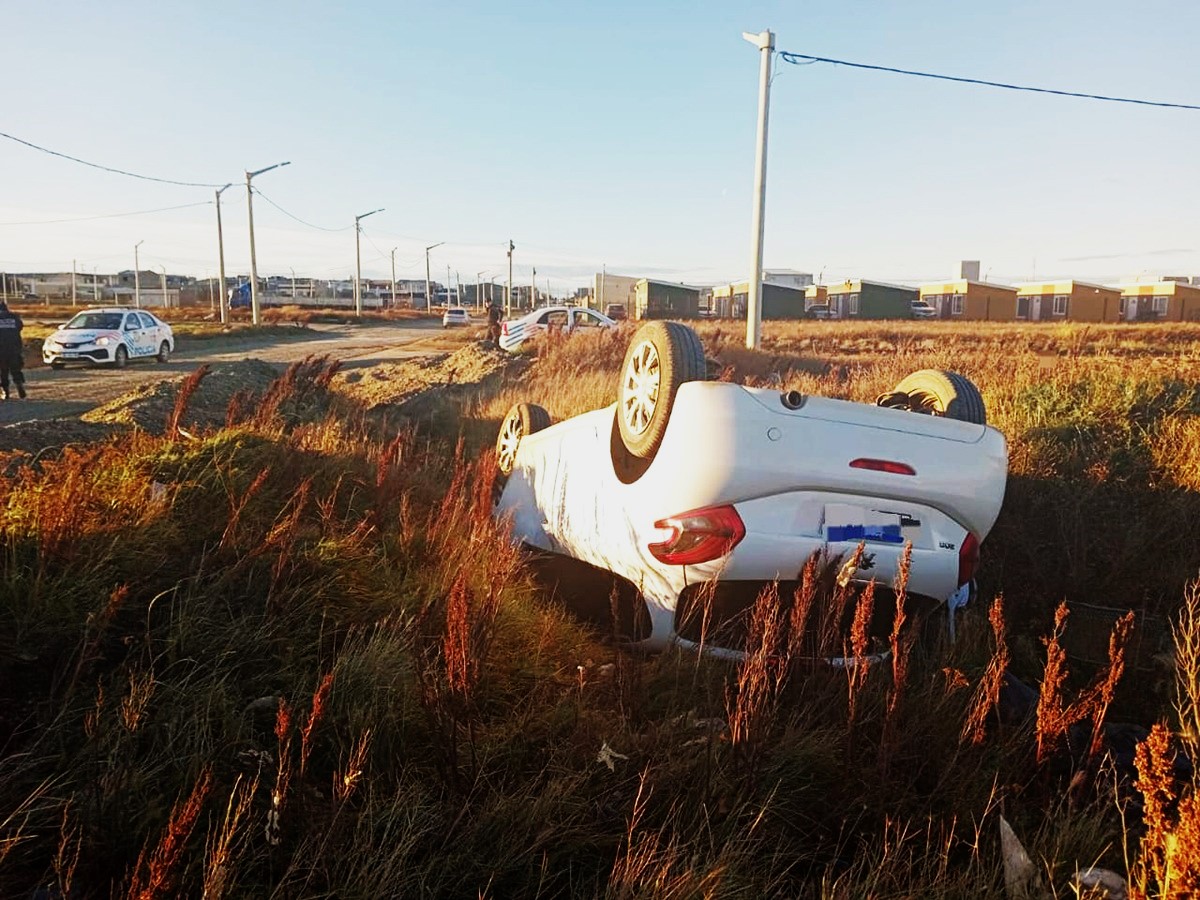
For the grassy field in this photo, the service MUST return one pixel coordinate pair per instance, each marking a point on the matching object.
(295, 657)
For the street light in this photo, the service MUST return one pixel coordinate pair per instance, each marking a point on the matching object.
(765, 42)
(358, 261)
(254, 310)
(428, 303)
(137, 282)
(221, 256)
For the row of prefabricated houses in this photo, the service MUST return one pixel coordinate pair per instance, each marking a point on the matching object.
(963, 299)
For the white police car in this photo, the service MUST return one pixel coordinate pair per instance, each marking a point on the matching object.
(551, 319)
(109, 335)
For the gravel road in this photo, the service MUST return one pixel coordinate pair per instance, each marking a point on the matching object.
(72, 391)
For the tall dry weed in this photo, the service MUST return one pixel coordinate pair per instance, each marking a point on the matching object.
(1168, 860)
(221, 849)
(157, 871)
(987, 693)
(183, 397)
(1052, 722)
(762, 673)
(1186, 633)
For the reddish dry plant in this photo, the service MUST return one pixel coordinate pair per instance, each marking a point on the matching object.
(803, 601)
(1098, 698)
(987, 694)
(235, 412)
(761, 677)
(1052, 722)
(238, 504)
(155, 873)
(843, 595)
(320, 697)
(456, 641)
(89, 653)
(1168, 862)
(900, 648)
(187, 387)
(857, 666)
(283, 771)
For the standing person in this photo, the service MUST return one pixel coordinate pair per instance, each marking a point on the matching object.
(494, 315)
(11, 352)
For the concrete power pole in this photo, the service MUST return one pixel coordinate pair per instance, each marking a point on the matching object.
(137, 280)
(254, 307)
(508, 292)
(358, 260)
(428, 285)
(533, 289)
(73, 282)
(394, 277)
(765, 41)
(223, 299)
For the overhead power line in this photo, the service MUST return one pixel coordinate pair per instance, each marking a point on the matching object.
(802, 59)
(297, 218)
(115, 171)
(136, 212)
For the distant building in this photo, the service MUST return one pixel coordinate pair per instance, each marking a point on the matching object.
(610, 289)
(859, 299)
(787, 278)
(1169, 300)
(968, 269)
(975, 300)
(1075, 301)
(665, 300)
(778, 301)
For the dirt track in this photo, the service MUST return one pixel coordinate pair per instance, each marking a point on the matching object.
(73, 391)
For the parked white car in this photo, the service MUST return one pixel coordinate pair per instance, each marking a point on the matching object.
(565, 319)
(923, 310)
(455, 315)
(109, 335)
(685, 481)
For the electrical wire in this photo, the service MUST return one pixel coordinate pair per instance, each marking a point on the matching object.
(295, 217)
(136, 212)
(794, 59)
(93, 165)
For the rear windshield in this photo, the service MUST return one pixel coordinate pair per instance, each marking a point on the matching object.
(107, 321)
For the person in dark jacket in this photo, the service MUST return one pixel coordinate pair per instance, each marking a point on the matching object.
(11, 353)
(494, 315)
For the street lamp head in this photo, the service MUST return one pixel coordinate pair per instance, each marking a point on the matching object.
(431, 246)
(371, 213)
(250, 175)
(220, 191)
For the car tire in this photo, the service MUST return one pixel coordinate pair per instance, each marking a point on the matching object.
(939, 393)
(522, 419)
(120, 357)
(164, 352)
(661, 357)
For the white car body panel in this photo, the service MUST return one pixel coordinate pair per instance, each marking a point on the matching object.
(788, 475)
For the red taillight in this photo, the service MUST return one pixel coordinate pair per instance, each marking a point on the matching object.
(883, 465)
(504, 329)
(968, 558)
(698, 536)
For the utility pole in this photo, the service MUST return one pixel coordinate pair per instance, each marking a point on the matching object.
(428, 296)
(221, 259)
(358, 261)
(508, 294)
(447, 285)
(533, 290)
(765, 41)
(479, 289)
(73, 283)
(293, 271)
(137, 280)
(394, 277)
(211, 300)
(255, 315)
(166, 302)
(458, 298)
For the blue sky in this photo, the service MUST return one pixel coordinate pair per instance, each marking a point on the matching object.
(616, 134)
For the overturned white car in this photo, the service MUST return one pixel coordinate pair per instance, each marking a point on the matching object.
(685, 482)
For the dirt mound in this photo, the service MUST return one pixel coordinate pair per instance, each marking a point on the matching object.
(149, 406)
(406, 385)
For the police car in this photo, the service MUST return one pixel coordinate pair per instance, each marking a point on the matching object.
(109, 335)
(557, 319)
